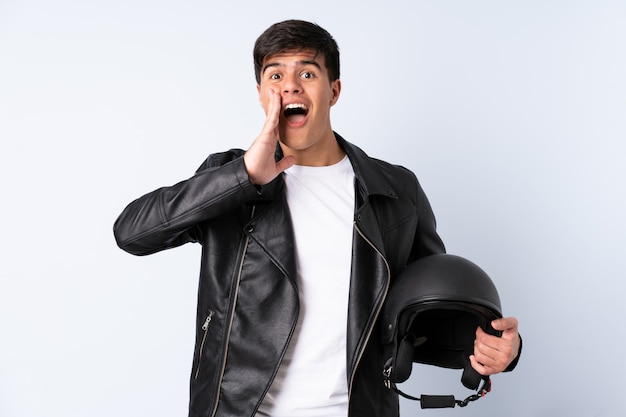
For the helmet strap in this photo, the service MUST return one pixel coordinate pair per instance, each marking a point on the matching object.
(471, 378)
(444, 401)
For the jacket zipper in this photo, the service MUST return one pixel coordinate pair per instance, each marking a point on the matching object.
(232, 317)
(380, 306)
(205, 329)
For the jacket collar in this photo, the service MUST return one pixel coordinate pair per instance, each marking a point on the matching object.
(371, 180)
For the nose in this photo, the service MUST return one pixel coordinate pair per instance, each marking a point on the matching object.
(292, 84)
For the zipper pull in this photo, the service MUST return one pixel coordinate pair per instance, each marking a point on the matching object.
(205, 326)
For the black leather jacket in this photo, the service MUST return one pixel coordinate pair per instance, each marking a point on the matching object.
(248, 296)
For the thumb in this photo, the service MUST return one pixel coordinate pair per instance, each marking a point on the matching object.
(505, 324)
(286, 163)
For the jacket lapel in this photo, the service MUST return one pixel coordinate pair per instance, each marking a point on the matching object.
(370, 276)
(272, 230)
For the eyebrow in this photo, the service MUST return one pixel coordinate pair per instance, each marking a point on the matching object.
(300, 63)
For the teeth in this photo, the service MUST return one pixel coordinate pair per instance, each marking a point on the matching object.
(295, 106)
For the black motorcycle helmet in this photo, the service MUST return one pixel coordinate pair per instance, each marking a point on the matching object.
(430, 316)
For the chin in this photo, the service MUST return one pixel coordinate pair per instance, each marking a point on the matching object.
(294, 141)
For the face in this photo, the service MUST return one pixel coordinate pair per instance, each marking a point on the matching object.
(306, 94)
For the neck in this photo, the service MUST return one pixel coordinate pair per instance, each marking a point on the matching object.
(324, 153)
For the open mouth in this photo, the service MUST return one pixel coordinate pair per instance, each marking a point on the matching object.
(295, 112)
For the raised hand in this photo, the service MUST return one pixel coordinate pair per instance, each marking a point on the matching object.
(259, 159)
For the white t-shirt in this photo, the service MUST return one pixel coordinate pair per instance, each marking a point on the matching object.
(311, 380)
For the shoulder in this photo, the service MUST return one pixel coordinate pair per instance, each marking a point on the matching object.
(379, 175)
(394, 171)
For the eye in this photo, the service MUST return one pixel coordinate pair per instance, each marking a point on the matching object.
(307, 74)
(275, 76)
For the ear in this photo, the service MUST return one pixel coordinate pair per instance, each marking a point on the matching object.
(336, 90)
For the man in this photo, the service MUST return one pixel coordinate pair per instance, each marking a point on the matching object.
(302, 236)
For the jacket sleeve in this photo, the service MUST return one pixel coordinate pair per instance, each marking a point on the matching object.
(166, 217)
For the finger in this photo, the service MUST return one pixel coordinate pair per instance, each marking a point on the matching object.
(479, 367)
(486, 347)
(485, 338)
(285, 163)
(508, 327)
(489, 347)
(494, 352)
(504, 323)
(489, 360)
(273, 112)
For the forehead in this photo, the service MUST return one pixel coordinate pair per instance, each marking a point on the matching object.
(294, 58)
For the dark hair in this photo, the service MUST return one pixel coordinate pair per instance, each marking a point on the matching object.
(296, 35)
